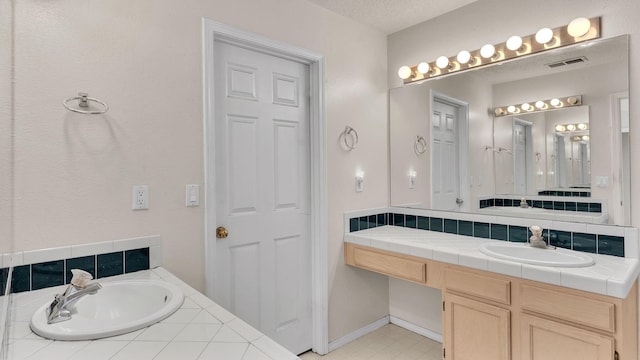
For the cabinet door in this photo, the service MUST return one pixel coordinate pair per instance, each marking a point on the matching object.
(475, 330)
(542, 339)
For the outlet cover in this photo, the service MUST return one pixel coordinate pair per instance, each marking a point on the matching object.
(140, 197)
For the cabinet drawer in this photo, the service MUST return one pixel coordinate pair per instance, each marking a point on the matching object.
(391, 265)
(577, 309)
(485, 287)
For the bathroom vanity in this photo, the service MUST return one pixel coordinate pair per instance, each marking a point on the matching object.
(495, 309)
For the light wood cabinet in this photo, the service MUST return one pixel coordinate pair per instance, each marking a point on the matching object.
(475, 330)
(542, 339)
(494, 317)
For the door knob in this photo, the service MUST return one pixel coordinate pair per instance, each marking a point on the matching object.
(221, 232)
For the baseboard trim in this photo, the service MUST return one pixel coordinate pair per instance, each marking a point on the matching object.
(416, 329)
(358, 333)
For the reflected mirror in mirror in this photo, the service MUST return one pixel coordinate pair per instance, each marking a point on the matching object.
(475, 161)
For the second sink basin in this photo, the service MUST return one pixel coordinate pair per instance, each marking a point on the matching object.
(526, 254)
(118, 308)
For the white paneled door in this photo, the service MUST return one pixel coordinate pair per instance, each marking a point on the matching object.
(445, 182)
(263, 267)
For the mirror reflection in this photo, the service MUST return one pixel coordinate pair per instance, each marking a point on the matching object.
(566, 163)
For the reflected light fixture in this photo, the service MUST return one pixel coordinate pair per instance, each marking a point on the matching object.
(579, 27)
(542, 105)
(561, 128)
(463, 57)
(544, 35)
(577, 31)
(582, 126)
(514, 43)
(572, 127)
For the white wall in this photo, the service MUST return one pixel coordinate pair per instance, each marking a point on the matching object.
(74, 173)
(6, 126)
(493, 21)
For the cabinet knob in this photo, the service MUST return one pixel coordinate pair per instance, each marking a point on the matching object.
(221, 232)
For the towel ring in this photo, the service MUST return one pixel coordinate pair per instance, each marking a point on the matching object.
(83, 102)
(350, 133)
(420, 145)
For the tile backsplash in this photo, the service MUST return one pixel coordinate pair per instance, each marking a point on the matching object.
(557, 205)
(597, 239)
(33, 270)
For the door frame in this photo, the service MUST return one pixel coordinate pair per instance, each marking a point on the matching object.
(462, 111)
(211, 31)
(528, 153)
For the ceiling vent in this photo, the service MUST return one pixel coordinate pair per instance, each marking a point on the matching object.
(565, 62)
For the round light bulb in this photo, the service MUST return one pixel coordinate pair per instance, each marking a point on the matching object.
(572, 100)
(526, 107)
(499, 111)
(579, 27)
(555, 102)
(571, 127)
(463, 57)
(585, 137)
(540, 104)
(560, 128)
(442, 62)
(423, 68)
(404, 72)
(487, 51)
(514, 43)
(544, 35)
(582, 126)
(511, 109)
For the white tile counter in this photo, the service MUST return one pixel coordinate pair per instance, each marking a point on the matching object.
(611, 275)
(200, 329)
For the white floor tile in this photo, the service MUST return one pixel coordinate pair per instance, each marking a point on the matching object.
(198, 332)
(227, 351)
(181, 350)
(140, 350)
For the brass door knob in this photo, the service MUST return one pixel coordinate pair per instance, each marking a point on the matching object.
(221, 232)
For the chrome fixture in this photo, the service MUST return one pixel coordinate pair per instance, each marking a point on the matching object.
(83, 103)
(81, 285)
(577, 31)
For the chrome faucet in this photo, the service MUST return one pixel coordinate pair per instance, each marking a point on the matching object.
(60, 308)
(537, 239)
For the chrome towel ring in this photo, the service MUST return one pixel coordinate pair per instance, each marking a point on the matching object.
(420, 146)
(350, 137)
(83, 102)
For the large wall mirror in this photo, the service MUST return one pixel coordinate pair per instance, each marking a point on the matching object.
(449, 151)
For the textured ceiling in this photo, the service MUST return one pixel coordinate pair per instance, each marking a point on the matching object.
(390, 16)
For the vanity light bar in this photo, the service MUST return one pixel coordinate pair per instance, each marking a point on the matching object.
(577, 31)
(540, 105)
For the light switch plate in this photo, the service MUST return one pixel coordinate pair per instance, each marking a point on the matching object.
(192, 195)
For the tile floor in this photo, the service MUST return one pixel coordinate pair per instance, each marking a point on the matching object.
(388, 342)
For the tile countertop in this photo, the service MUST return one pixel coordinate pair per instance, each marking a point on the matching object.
(611, 275)
(200, 329)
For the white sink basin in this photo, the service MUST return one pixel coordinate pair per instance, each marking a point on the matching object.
(526, 254)
(118, 308)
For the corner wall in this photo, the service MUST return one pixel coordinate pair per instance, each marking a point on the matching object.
(74, 173)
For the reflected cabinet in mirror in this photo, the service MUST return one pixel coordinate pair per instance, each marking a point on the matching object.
(564, 162)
